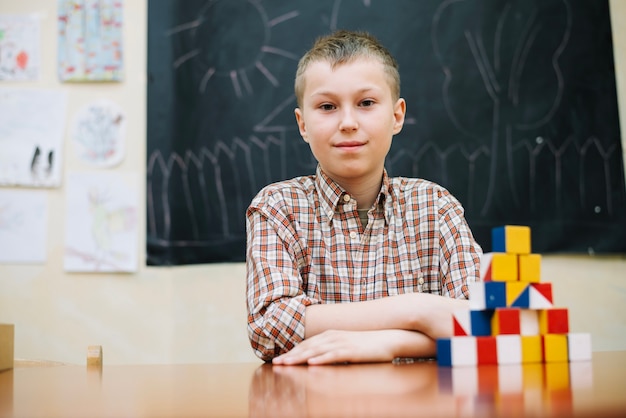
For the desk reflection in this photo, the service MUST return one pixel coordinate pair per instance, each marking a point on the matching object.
(416, 389)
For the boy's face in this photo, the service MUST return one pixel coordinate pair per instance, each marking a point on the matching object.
(348, 117)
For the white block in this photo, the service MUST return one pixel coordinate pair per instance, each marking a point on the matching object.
(509, 349)
(579, 346)
(529, 322)
(477, 296)
(464, 351)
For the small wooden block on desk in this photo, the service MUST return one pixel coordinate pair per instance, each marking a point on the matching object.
(94, 355)
(7, 335)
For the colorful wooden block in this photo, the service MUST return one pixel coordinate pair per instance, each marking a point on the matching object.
(540, 295)
(512, 239)
(529, 268)
(553, 321)
(481, 322)
(456, 351)
(509, 349)
(529, 322)
(461, 325)
(487, 295)
(469, 322)
(517, 295)
(579, 346)
(532, 349)
(486, 350)
(506, 321)
(554, 347)
(500, 267)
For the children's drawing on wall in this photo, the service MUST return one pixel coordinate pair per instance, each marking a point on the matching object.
(32, 125)
(19, 47)
(101, 228)
(23, 226)
(99, 130)
(90, 40)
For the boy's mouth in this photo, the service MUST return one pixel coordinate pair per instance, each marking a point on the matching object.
(347, 145)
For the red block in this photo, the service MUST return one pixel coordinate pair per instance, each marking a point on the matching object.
(486, 350)
(506, 321)
(554, 321)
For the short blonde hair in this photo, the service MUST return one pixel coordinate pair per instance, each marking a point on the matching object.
(345, 46)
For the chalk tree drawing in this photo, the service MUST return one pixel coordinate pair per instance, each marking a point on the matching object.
(503, 66)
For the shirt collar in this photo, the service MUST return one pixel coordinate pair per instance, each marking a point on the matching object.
(331, 195)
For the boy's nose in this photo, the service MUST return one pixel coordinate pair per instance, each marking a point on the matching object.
(348, 121)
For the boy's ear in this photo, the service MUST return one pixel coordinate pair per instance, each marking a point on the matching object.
(301, 126)
(399, 111)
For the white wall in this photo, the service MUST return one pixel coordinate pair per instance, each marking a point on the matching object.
(197, 313)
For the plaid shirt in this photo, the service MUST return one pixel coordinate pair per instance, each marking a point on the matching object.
(306, 245)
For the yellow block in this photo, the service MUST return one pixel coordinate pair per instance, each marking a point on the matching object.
(531, 349)
(529, 267)
(504, 267)
(7, 336)
(555, 348)
(517, 239)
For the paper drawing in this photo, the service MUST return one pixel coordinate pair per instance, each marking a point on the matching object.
(19, 47)
(90, 40)
(98, 134)
(32, 125)
(102, 227)
(23, 226)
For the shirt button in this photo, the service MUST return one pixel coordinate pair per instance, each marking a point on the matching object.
(346, 198)
(420, 281)
(353, 235)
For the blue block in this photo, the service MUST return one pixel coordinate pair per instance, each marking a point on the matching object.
(495, 295)
(480, 322)
(498, 240)
(444, 352)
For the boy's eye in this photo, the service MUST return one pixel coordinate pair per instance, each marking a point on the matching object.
(367, 103)
(326, 106)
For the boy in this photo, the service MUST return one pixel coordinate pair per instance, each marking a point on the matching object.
(350, 265)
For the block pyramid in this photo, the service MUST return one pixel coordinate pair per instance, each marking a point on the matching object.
(512, 318)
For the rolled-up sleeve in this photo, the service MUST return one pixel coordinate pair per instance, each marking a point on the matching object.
(276, 301)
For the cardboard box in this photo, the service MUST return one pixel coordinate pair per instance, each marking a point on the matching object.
(7, 335)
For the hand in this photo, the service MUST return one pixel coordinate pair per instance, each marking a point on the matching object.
(335, 346)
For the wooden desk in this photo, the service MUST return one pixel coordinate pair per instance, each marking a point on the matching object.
(596, 389)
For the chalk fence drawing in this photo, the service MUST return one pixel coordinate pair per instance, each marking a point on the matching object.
(19, 47)
(99, 133)
(90, 40)
(508, 151)
(23, 226)
(101, 227)
(32, 125)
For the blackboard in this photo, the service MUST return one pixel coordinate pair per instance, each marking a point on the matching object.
(511, 105)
